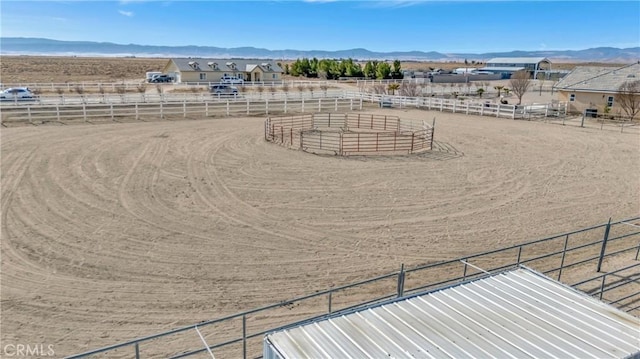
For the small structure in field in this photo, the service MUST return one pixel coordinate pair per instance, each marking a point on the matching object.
(348, 134)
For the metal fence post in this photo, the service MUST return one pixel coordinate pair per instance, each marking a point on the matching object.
(604, 245)
(464, 272)
(137, 350)
(330, 300)
(401, 281)
(244, 336)
(604, 278)
(564, 252)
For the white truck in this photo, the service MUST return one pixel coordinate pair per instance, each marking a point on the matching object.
(226, 79)
(152, 74)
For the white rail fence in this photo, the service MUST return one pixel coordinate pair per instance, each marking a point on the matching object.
(139, 106)
(134, 85)
(469, 107)
(461, 88)
(154, 111)
(133, 98)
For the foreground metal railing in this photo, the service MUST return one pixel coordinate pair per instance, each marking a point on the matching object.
(600, 260)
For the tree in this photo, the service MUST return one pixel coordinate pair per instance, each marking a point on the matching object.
(393, 87)
(383, 70)
(370, 69)
(499, 88)
(410, 89)
(480, 91)
(520, 83)
(628, 97)
(396, 72)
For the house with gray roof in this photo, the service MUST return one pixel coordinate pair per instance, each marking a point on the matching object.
(213, 70)
(594, 88)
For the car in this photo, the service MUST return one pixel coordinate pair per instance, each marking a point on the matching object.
(161, 78)
(17, 94)
(221, 90)
(231, 80)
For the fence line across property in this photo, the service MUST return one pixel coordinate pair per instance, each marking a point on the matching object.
(565, 257)
(199, 96)
(83, 103)
(160, 110)
(133, 85)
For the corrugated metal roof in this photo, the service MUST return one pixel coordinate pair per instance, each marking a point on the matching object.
(598, 78)
(517, 60)
(183, 65)
(501, 68)
(516, 314)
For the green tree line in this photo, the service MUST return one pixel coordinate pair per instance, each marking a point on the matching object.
(334, 69)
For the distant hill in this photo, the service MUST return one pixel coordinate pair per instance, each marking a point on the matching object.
(38, 46)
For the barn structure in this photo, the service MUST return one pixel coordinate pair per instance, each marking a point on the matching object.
(508, 65)
(517, 314)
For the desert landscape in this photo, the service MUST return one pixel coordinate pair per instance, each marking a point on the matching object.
(115, 231)
(58, 69)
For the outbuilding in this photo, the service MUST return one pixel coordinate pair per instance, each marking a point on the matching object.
(508, 65)
(514, 314)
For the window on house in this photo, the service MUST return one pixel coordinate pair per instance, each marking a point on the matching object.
(572, 97)
(610, 101)
(203, 76)
(273, 76)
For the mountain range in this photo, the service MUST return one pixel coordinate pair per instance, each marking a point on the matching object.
(42, 47)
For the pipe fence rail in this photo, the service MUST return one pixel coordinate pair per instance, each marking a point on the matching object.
(350, 134)
(600, 260)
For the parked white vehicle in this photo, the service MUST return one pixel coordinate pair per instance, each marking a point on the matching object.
(152, 74)
(231, 80)
(17, 94)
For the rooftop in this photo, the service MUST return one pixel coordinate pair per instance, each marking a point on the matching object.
(517, 314)
(517, 60)
(598, 78)
(205, 64)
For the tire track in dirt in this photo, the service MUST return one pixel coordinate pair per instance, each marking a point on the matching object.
(255, 218)
(103, 233)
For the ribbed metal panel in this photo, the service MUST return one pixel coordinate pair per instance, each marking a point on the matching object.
(515, 314)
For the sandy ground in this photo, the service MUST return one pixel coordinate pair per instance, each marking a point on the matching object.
(115, 231)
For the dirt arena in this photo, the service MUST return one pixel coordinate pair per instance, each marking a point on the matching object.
(110, 232)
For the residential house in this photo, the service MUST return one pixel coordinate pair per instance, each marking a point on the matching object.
(594, 88)
(213, 70)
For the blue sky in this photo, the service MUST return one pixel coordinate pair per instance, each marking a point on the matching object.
(391, 25)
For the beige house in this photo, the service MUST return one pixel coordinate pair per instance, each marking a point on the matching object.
(213, 70)
(594, 88)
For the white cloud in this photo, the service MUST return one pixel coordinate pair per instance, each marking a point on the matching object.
(126, 13)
